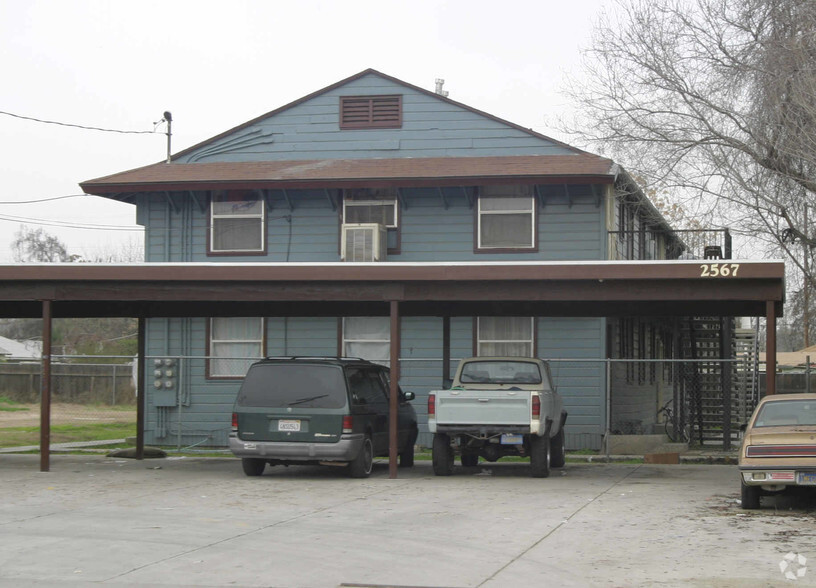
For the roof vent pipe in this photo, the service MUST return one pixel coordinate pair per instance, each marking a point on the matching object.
(439, 83)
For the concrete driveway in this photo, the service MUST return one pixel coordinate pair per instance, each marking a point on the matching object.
(201, 522)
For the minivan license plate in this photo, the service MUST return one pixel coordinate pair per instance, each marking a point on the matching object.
(288, 425)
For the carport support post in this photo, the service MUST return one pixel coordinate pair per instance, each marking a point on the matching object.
(394, 392)
(770, 348)
(45, 386)
(140, 390)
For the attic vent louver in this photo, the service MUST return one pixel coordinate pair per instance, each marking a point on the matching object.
(371, 112)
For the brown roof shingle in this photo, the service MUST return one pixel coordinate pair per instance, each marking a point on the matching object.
(335, 173)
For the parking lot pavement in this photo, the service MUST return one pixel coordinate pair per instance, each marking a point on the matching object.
(201, 522)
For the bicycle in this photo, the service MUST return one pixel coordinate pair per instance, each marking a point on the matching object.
(666, 413)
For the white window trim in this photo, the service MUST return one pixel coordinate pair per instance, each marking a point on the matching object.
(531, 211)
(213, 342)
(530, 341)
(261, 215)
(384, 202)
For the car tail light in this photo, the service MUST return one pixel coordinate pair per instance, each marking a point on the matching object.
(536, 407)
(431, 405)
(348, 423)
(235, 421)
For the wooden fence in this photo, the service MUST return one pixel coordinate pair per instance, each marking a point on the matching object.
(72, 383)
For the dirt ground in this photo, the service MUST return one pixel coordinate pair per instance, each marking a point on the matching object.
(66, 414)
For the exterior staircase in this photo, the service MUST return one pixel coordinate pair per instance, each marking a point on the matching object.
(717, 396)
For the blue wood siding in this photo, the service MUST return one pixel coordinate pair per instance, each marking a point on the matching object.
(581, 383)
(434, 227)
(431, 128)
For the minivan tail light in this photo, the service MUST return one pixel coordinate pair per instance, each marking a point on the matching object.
(431, 405)
(536, 407)
(348, 423)
(235, 421)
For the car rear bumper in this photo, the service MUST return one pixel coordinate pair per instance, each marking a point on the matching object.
(344, 450)
(778, 476)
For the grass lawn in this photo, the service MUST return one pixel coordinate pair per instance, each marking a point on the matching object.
(8, 405)
(18, 436)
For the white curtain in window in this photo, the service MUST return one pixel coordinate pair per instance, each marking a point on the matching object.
(505, 336)
(235, 343)
(367, 337)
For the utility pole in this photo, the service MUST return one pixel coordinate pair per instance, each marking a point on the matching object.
(168, 118)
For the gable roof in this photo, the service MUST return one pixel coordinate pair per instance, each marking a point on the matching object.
(394, 80)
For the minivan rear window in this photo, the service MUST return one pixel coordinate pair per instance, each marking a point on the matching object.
(302, 386)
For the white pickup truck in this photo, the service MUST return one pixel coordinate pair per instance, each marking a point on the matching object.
(498, 406)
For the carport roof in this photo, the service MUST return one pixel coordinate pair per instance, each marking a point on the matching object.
(577, 288)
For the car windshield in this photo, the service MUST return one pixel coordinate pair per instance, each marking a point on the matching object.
(302, 386)
(500, 372)
(785, 413)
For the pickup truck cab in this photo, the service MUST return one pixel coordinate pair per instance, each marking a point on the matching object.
(498, 406)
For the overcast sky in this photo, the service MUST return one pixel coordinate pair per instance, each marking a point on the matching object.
(214, 65)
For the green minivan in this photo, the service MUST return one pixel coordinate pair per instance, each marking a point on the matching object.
(318, 410)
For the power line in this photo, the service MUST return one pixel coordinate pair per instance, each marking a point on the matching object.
(67, 225)
(43, 199)
(53, 122)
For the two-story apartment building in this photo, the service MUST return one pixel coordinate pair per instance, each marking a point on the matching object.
(375, 170)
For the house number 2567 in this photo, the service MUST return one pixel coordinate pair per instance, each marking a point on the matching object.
(719, 270)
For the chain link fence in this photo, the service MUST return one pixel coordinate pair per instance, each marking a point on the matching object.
(93, 398)
(189, 399)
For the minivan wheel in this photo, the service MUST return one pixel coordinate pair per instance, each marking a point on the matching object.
(360, 466)
(253, 466)
(442, 455)
(406, 456)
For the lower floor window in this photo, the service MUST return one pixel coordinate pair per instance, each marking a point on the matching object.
(367, 337)
(234, 344)
(505, 336)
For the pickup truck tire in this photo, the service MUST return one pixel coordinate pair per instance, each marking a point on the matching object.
(253, 466)
(470, 460)
(442, 455)
(360, 466)
(539, 456)
(558, 456)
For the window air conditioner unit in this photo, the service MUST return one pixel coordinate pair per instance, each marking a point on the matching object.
(363, 242)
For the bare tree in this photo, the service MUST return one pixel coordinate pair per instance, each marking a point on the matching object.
(38, 246)
(714, 101)
(89, 336)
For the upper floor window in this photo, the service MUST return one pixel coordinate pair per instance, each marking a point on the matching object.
(505, 336)
(237, 222)
(371, 112)
(506, 218)
(234, 343)
(371, 206)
